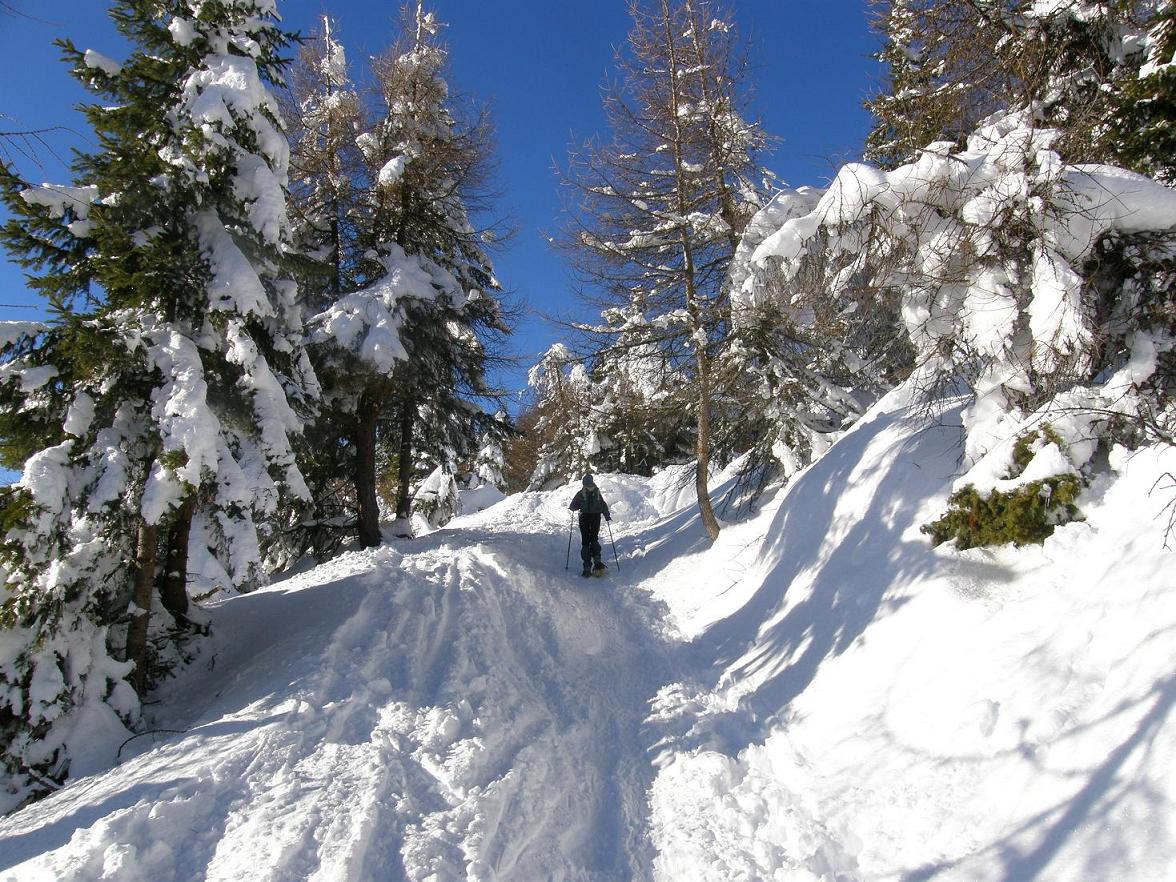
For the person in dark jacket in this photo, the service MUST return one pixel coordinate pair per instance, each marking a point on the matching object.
(591, 505)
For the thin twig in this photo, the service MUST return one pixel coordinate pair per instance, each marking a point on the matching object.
(149, 732)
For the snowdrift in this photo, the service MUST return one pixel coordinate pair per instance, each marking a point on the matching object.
(883, 710)
(820, 695)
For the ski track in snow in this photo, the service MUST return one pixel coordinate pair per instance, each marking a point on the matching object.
(457, 707)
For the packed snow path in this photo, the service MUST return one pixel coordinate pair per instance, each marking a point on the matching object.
(457, 707)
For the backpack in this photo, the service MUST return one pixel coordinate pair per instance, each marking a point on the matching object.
(593, 501)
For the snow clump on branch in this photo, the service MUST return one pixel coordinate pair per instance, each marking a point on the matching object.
(992, 252)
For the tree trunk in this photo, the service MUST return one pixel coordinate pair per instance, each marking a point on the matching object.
(144, 582)
(366, 416)
(173, 590)
(702, 470)
(404, 461)
(694, 306)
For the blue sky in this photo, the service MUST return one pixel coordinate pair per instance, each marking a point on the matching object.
(540, 65)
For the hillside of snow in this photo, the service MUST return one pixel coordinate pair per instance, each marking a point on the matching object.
(820, 695)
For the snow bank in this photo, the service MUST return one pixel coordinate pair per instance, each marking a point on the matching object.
(477, 499)
(882, 710)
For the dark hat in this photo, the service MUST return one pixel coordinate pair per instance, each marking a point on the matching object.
(587, 479)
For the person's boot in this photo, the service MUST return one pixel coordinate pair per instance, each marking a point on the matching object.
(598, 568)
(587, 571)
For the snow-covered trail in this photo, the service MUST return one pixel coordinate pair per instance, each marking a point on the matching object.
(458, 707)
(819, 695)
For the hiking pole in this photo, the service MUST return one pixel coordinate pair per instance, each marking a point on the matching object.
(616, 559)
(568, 562)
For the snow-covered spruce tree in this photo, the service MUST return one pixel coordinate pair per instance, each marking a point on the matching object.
(938, 55)
(1045, 287)
(490, 461)
(629, 418)
(430, 164)
(174, 366)
(952, 63)
(564, 412)
(1070, 61)
(1139, 133)
(438, 498)
(330, 196)
(638, 420)
(659, 209)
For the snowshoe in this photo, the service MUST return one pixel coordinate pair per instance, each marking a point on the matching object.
(599, 570)
(586, 573)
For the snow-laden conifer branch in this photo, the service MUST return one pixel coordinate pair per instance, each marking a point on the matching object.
(988, 250)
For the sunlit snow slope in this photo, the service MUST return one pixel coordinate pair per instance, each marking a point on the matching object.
(875, 709)
(817, 696)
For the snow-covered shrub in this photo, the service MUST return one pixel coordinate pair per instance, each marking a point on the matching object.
(438, 499)
(1045, 287)
(1039, 492)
